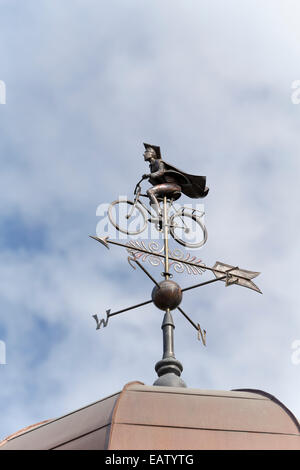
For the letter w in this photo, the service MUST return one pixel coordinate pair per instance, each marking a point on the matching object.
(102, 321)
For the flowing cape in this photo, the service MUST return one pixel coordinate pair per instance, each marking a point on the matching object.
(191, 185)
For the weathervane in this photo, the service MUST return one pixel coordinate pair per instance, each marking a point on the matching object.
(132, 218)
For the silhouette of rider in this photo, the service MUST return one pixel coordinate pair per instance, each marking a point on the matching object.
(168, 181)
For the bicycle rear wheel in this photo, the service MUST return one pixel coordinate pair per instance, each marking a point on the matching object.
(126, 218)
(187, 229)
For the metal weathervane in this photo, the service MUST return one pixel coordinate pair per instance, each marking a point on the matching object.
(168, 183)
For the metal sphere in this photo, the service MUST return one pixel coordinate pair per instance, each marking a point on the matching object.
(167, 296)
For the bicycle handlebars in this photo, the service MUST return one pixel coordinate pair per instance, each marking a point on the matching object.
(138, 185)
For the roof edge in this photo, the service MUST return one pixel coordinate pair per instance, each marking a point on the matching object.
(18, 433)
(115, 410)
(272, 398)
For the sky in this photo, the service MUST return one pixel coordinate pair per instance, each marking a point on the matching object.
(86, 83)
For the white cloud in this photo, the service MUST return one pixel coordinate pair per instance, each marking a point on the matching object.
(210, 82)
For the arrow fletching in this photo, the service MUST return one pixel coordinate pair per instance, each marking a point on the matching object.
(235, 275)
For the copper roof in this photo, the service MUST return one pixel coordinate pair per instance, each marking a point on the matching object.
(152, 417)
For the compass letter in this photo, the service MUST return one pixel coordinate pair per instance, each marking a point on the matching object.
(102, 321)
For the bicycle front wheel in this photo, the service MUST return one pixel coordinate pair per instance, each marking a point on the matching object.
(127, 217)
(187, 229)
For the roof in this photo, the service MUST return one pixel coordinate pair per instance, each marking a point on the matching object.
(155, 417)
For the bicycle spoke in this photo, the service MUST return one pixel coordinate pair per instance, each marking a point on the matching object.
(131, 211)
(177, 226)
(127, 216)
(187, 229)
(182, 220)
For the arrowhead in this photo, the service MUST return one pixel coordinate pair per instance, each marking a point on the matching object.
(243, 279)
(102, 240)
(201, 334)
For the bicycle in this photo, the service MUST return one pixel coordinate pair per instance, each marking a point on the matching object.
(122, 213)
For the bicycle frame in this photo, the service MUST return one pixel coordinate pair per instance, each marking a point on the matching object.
(153, 217)
(172, 218)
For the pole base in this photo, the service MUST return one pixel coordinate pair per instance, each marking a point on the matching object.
(170, 380)
(169, 370)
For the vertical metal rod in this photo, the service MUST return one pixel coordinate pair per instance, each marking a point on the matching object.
(168, 324)
(168, 338)
(168, 368)
(166, 241)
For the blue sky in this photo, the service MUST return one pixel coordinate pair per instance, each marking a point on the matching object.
(86, 83)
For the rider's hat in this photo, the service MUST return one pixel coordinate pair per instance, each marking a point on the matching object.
(155, 148)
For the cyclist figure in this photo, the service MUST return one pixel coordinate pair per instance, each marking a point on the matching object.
(169, 181)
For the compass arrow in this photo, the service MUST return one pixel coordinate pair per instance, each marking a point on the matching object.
(104, 322)
(201, 334)
(234, 275)
(103, 240)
